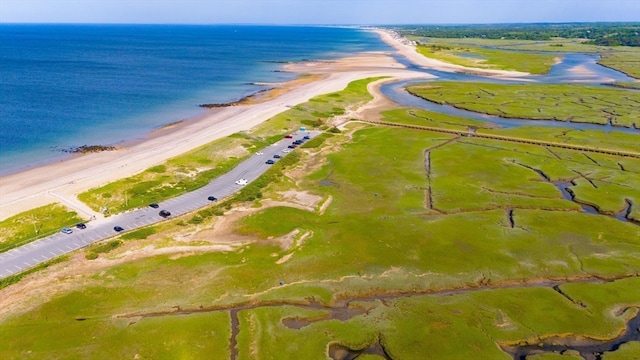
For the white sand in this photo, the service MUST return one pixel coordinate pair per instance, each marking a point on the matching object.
(62, 181)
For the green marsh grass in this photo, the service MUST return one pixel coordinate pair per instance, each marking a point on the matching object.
(33, 224)
(577, 103)
(488, 58)
(377, 244)
(621, 58)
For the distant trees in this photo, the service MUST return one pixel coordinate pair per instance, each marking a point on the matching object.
(604, 34)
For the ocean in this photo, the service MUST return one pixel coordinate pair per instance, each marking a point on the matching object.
(64, 86)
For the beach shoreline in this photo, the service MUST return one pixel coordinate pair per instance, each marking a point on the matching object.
(65, 179)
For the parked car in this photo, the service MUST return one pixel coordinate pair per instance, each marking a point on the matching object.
(117, 228)
(286, 150)
(297, 142)
(212, 198)
(292, 146)
(259, 153)
(66, 230)
(164, 213)
(289, 137)
(276, 156)
(154, 205)
(307, 137)
(81, 226)
(270, 162)
(242, 182)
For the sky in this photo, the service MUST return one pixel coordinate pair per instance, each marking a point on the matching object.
(317, 12)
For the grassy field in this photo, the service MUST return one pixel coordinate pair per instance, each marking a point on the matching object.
(487, 58)
(576, 103)
(464, 234)
(35, 224)
(379, 257)
(621, 58)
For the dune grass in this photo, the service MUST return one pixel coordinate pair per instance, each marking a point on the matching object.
(34, 224)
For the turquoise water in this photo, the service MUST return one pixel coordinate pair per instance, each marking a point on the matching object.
(63, 86)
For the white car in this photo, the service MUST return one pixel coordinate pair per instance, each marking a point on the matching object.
(259, 153)
(286, 150)
(242, 182)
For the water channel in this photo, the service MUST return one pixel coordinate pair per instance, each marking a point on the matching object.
(566, 71)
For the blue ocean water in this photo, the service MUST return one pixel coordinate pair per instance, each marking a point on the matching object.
(63, 86)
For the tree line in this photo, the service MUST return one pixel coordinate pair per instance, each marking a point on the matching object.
(604, 34)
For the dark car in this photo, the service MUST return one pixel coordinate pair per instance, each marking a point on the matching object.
(276, 156)
(297, 142)
(154, 205)
(270, 162)
(164, 213)
(212, 198)
(118, 228)
(307, 137)
(292, 146)
(81, 226)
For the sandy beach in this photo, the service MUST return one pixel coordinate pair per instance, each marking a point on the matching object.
(61, 181)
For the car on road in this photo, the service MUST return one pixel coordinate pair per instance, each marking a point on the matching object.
(289, 137)
(286, 150)
(259, 153)
(297, 142)
(164, 213)
(212, 198)
(117, 228)
(270, 162)
(81, 226)
(242, 182)
(66, 230)
(154, 205)
(292, 146)
(307, 137)
(276, 156)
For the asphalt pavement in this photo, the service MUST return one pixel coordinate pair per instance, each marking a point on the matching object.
(27, 256)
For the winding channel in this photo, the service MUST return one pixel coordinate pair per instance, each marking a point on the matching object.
(560, 73)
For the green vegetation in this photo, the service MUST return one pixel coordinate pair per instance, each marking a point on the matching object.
(198, 167)
(13, 279)
(100, 248)
(177, 176)
(621, 58)
(461, 242)
(316, 112)
(468, 235)
(576, 103)
(605, 34)
(487, 58)
(140, 233)
(35, 224)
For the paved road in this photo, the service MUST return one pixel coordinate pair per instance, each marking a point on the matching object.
(34, 253)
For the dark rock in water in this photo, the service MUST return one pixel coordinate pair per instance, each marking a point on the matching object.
(234, 103)
(84, 149)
